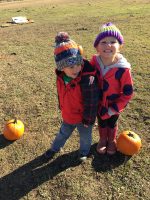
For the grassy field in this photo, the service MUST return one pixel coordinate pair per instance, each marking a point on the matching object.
(28, 91)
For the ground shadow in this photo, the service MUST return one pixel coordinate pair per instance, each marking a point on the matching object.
(103, 163)
(3, 142)
(21, 181)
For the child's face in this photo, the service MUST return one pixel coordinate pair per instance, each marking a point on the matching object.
(72, 71)
(108, 47)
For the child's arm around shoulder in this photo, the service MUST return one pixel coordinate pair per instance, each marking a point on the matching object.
(93, 60)
(88, 67)
(90, 93)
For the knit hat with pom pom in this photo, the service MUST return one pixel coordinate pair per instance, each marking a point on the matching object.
(109, 30)
(66, 53)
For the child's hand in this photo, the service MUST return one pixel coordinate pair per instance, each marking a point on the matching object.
(110, 112)
(86, 126)
(91, 80)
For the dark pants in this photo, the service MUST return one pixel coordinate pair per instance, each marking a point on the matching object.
(111, 122)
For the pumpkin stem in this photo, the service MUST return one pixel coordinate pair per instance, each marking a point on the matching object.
(130, 134)
(15, 120)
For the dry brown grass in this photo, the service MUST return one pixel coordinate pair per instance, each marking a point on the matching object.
(30, 3)
(27, 91)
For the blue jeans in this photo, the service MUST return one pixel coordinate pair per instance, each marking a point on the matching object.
(66, 131)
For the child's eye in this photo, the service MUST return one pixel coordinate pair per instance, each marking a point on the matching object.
(113, 42)
(103, 42)
(107, 43)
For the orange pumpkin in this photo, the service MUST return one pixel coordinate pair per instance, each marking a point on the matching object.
(80, 49)
(13, 129)
(128, 143)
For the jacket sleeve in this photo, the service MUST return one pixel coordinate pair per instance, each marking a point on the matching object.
(92, 62)
(90, 93)
(126, 94)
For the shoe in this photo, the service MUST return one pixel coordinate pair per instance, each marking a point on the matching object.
(111, 148)
(82, 158)
(101, 147)
(49, 154)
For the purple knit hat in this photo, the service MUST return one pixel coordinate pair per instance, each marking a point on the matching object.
(109, 30)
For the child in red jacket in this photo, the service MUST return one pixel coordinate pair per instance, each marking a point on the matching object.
(115, 82)
(78, 95)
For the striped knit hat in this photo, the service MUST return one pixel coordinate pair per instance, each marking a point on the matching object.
(109, 30)
(66, 53)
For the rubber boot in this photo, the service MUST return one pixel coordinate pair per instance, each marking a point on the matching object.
(101, 146)
(111, 148)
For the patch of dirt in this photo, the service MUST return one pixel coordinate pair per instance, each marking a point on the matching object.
(29, 3)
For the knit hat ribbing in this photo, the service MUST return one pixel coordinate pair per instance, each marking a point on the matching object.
(109, 30)
(66, 53)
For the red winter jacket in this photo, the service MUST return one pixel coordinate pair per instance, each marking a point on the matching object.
(78, 100)
(115, 84)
